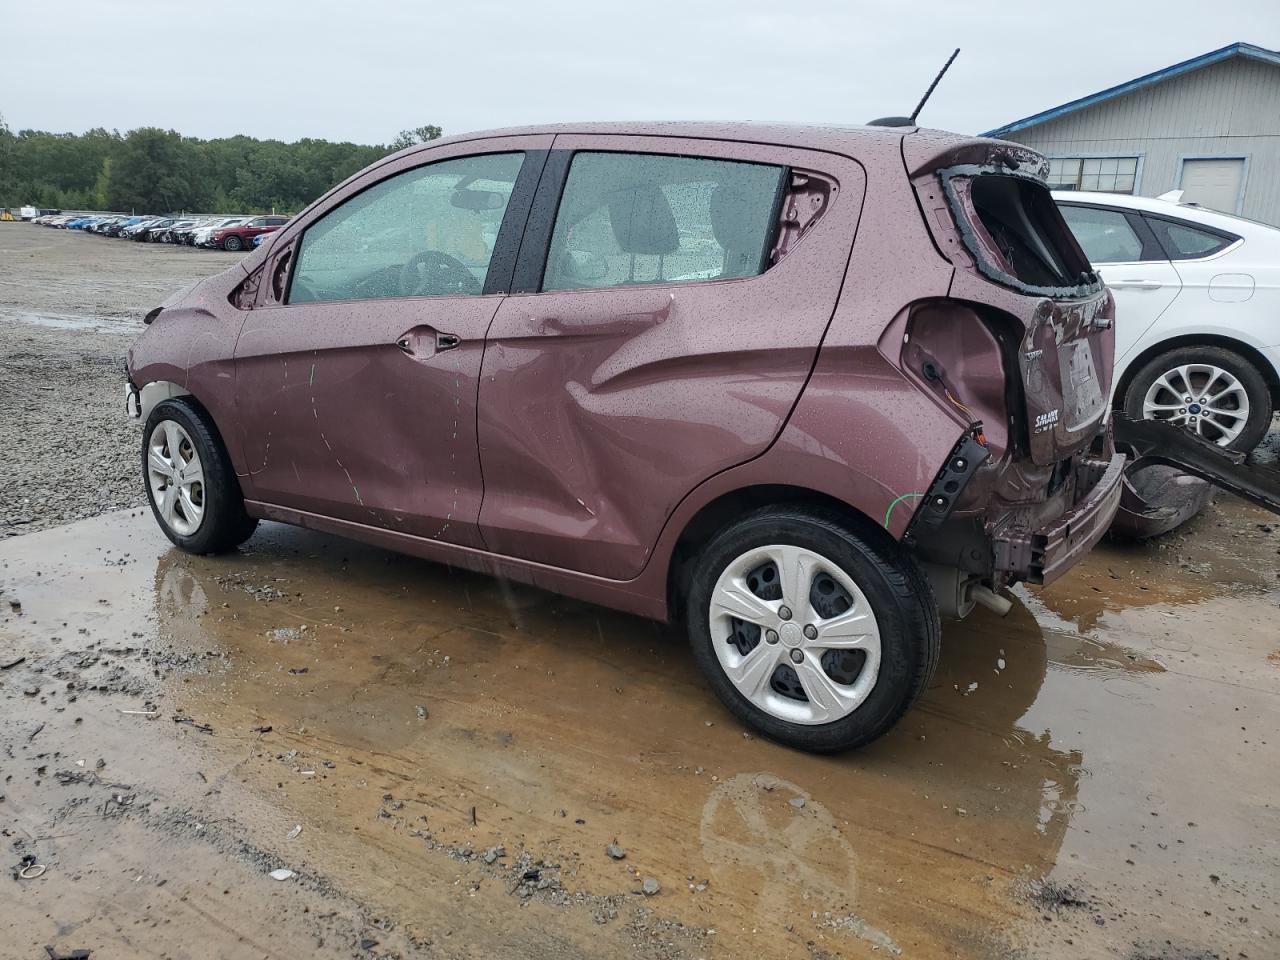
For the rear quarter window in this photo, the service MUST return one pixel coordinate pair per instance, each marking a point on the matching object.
(1185, 241)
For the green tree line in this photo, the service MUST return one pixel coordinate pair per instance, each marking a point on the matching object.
(161, 171)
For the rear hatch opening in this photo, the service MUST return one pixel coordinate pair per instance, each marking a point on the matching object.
(1011, 225)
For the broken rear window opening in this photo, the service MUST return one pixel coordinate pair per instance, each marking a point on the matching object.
(1017, 236)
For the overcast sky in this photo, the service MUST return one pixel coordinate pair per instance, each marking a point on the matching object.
(364, 69)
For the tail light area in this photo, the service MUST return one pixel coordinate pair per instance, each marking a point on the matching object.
(1019, 354)
(967, 356)
(962, 359)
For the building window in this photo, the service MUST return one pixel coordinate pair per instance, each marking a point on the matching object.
(1100, 174)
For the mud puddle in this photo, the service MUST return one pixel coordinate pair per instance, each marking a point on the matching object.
(1091, 776)
(71, 321)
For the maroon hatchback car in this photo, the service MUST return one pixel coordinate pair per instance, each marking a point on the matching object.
(804, 389)
(239, 235)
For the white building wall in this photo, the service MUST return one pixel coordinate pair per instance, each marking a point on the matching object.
(1229, 109)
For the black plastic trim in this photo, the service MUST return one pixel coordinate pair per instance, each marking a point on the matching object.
(961, 464)
(1157, 441)
(536, 242)
(506, 249)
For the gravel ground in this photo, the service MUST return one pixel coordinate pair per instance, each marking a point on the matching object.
(70, 305)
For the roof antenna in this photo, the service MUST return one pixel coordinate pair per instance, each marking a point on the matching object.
(911, 120)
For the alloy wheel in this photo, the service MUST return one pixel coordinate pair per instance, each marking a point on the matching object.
(175, 477)
(1203, 397)
(795, 634)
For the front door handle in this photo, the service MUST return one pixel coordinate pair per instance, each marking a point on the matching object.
(424, 342)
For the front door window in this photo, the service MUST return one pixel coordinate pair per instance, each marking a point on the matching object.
(427, 232)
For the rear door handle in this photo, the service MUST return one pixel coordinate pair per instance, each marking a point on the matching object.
(1136, 284)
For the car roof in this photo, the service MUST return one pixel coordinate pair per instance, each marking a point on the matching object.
(1168, 208)
(859, 141)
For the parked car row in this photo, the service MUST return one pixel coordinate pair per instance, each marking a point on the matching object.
(222, 233)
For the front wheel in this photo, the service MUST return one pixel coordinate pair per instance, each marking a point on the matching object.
(815, 635)
(1214, 392)
(191, 484)
(232, 243)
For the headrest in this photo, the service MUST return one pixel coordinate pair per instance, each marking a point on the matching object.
(642, 220)
(737, 218)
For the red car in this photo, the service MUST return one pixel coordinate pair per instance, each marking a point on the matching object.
(241, 235)
(802, 389)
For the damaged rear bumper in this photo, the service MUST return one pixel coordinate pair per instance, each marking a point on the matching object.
(1042, 556)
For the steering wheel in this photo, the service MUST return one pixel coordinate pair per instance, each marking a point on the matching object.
(432, 274)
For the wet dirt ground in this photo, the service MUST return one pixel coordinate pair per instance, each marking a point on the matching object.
(1092, 776)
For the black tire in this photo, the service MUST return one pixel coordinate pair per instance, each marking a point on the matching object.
(225, 525)
(232, 243)
(900, 597)
(1255, 387)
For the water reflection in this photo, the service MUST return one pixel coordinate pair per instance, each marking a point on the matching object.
(543, 703)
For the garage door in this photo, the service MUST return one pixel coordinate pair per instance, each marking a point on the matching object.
(1213, 183)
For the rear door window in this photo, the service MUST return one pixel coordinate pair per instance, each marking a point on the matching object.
(628, 219)
(1106, 236)
(1182, 241)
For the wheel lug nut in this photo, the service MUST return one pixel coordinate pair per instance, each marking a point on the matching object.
(797, 656)
(771, 636)
(784, 613)
(811, 631)
(1187, 400)
(1182, 409)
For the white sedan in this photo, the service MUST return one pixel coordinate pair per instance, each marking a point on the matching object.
(1197, 311)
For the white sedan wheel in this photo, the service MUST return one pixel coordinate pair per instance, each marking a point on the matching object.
(1202, 397)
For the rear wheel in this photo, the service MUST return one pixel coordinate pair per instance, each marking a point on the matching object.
(232, 243)
(809, 632)
(1212, 391)
(191, 485)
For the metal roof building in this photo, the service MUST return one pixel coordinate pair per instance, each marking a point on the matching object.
(1209, 126)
